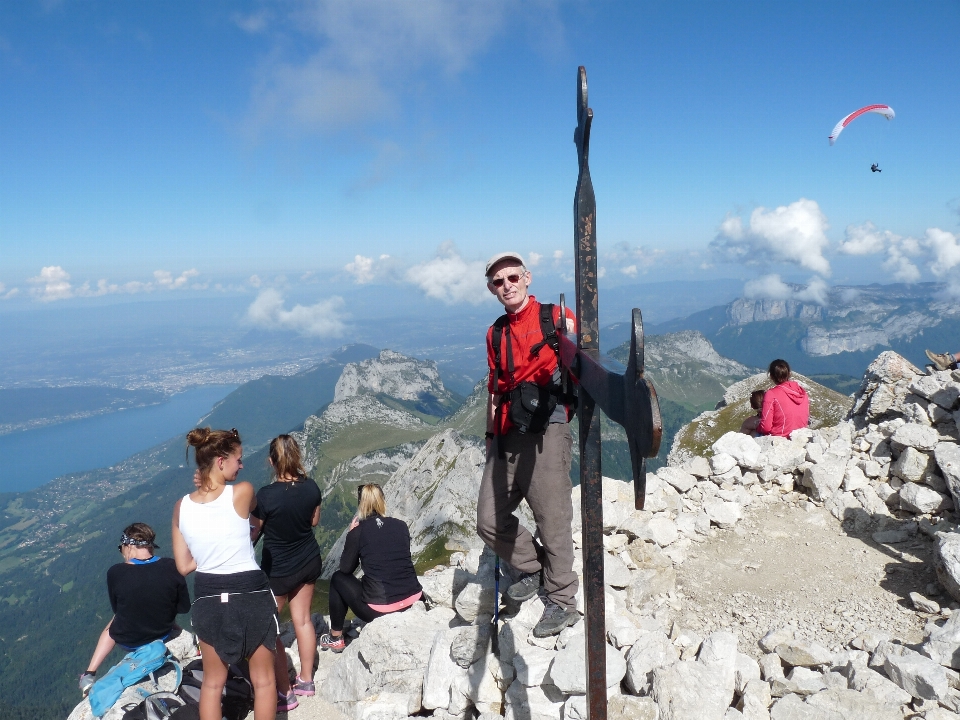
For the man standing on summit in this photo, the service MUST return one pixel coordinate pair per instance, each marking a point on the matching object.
(528, 447)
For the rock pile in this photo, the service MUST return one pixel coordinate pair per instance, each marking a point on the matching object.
(892, 471)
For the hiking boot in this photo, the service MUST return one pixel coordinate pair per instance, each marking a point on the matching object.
(304, 687)
(526, 587)
(87, 680)
(287, 702)
(554, 619)
(942, 361)
(329, 642)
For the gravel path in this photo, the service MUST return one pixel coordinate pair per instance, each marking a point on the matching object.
(795, 565)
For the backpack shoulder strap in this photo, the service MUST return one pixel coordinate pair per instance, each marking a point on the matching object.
(549, 330)
(496, 336)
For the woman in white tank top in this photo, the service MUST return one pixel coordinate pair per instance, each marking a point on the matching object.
(234, 613)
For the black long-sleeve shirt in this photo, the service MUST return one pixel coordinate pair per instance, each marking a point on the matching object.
(382, 546)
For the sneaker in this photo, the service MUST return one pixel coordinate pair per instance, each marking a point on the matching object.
(328, 642)
(554, 619)
(304, 687)
(526, 587)
(942, 361)
(87, 680)
(287, 702)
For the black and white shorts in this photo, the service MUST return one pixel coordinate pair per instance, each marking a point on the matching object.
(235, 614)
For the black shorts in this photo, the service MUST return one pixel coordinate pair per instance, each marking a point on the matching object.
(308, 574)
(237, 627)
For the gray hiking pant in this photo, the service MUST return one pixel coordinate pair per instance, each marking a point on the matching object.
(536, 468)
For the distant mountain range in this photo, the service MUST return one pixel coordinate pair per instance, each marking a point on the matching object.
(840, 336)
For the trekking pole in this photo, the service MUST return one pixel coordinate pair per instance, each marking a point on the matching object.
(495, 638)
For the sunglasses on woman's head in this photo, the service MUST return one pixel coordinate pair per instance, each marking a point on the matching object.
(514, 279)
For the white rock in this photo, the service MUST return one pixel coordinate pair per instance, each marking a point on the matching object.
(947, 456)
(648, 583)
(854, 479)
(722, 513)
(441, 587)
(870, 468)
(743, 448)
(777, 636)
(866, 680)
(651, 650)
(871, 501)
(911, 465)
(806, 681)
(756, 701)
(921, 499)
(804, 654)
(681, 481)
(615, 572)
(721, 463)
(824, 478)
(918, 675)
(747, 669)
(702, 689)
(943, 643)
(531, 703)
(441, 672)
(531, 664)
(698, 466)
(921, 437)
(568, 672)
(474, 600)
(946, 560)
(849, 705)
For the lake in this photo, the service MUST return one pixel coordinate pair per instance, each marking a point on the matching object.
(31, 458)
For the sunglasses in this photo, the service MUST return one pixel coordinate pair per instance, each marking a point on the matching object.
(514, 279)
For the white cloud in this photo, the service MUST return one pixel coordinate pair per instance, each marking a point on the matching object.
(319, 320)
(254, 23)
(634, 259)
(53, 283)
(864, 239)
(362, 57)
(794, 233)
(367, 269)
(450, 278)
(945, 248)
(601, 272)
(7, 294)
(164, 279)
(900, 266)
(255, 281)
(533, 259)
(773, 288)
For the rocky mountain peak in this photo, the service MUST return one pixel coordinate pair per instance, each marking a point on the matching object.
(393, 374)
(687, 346)
(748, 310)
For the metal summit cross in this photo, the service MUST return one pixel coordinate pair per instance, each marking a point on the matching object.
(622, 393)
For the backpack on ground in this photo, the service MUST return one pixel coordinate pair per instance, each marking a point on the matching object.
(237, 700)
(531, 405)
(158, 706)
(134, 667)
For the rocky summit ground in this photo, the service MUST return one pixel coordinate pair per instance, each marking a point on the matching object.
(794, 566)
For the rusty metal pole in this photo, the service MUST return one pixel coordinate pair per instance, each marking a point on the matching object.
(591, 496)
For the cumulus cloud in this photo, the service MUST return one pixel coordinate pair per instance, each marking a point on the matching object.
(320, 320)
(367, 269)
(165, 280)
(533, 259)
(634, 259)
(794, 234)
(450, 278)
(255, 281)
(53, 283)
(945, 249)
(362, 57)
(773, 288)
(7, 294)
(864, 239)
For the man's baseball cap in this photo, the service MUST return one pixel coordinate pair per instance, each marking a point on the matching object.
(504, 256)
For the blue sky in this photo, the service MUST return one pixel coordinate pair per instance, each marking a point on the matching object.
(298, 149)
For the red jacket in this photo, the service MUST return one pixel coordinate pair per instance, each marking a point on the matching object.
(523, 335)
(786, 407)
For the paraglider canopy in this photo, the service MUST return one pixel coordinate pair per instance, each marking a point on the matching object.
(884, 110)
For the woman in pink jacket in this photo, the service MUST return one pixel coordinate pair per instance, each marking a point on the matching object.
(786, 406)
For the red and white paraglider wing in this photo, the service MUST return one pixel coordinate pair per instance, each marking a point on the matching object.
(884, 110)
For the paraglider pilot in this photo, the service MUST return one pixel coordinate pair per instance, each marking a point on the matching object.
(875, 168)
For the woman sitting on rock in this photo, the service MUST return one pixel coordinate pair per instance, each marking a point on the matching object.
(786, 406)
(234, 613)
(381, 546)
(287, 511)
(146, 595)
